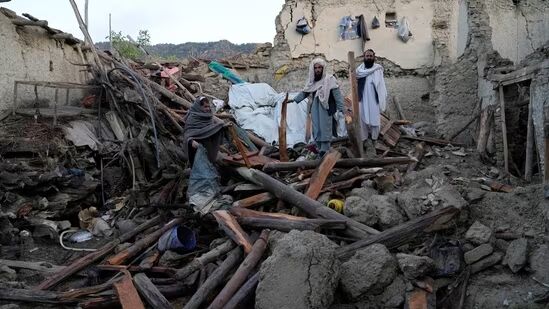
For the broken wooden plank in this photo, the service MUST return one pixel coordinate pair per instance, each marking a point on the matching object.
(87, 260)
(305, 203)
(127, 294)
(341, 163)
(33, 296)
(44, 267)
(504, 130)
(255, 200)
(401, 234)
(283, 146)
(231, 227)
(321, 173)
(433, 141)
(215, 279)
(239, 146)
(242, 272)
(141, 244)
(150, 292)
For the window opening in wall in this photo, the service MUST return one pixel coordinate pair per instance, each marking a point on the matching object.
(517, 101)
(391, 20)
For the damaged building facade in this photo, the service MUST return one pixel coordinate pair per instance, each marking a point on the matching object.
(39, 55)
(445, 74)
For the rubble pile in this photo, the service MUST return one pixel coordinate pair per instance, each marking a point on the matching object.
(98, 210)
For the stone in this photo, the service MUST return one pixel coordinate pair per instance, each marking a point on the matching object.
(393, 295)
(359, 210)
(478, 233)
(387, 211)
(501, 244)
(63, 225)
(516, 254)
(302, 272)
(170, 259)
(475, 195)
(450, 196)
(368, 272)
(365, 192)
(414, 266)
(478, 253)
(538, 263)
(489, 261)
(7, 274)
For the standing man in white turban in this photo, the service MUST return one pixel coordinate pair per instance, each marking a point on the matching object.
(372, 95)
(327, 99)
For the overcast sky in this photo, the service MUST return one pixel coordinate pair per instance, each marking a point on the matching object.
(175, 21)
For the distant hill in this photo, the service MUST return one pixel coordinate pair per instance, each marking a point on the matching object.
(208, 50)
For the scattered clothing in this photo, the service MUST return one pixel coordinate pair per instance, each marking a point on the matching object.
(348, 28)
(362, 29)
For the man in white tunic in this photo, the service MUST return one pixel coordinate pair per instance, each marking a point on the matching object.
(372, 95)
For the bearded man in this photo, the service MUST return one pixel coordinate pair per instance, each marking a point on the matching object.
(327, 99)
(372, 95)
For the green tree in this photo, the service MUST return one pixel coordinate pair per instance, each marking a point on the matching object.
(144, 38)
(128, 49)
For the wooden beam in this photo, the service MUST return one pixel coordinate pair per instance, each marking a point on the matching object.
(528, 164)
(246, 289)
(433, 141)
(303, 202)
(402, 234)
(215, 279)
(239, 146)
(400, 111)
(504, 130)
(356, 109)
(150, 292)
(283, 146)
(321, 173)
(284, 225)
(341, 163)
(242, 272)
(127, 294)
(231, 227)
(255, 200)
(141, 244)
(87, 260)
(204, 259)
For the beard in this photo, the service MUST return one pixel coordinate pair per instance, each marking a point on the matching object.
(369, 63)
(318, 77)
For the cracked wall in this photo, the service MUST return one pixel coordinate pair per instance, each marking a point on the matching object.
(324, 17)
(518, 30)
(441, 74)
(27, 53)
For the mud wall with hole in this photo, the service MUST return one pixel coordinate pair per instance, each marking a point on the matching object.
(29, 54)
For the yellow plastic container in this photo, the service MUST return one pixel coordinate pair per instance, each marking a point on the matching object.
(336, 205)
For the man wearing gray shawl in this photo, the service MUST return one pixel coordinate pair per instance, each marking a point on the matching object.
(327, 99)
(372, 95)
